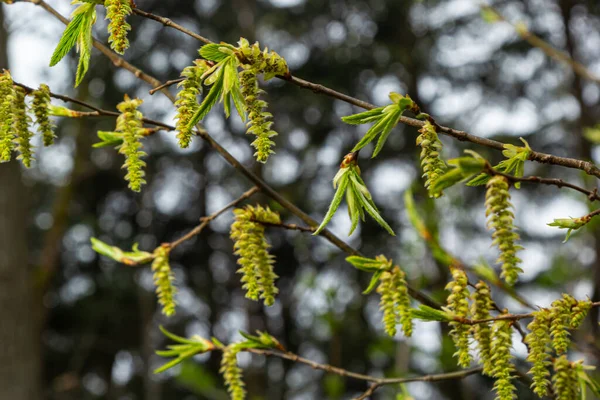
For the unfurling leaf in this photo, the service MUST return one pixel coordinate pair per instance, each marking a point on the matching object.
(133, 257)
(183, 350)
(572, 224)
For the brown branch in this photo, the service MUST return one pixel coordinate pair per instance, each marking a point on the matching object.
(204, 221)
(166, 85)
(586, 166)
(292, 227)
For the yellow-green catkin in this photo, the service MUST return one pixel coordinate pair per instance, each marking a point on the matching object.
(500, 219)
(560, 314)
(502, 367)
(164, 279)
(41, 110)
(539, 342)
(252, 248)
(259, 121)
(117, 11)
(232, 373)
(129, 123)
(565, 381)
(395, 302)
(432, 164)
(579, 312)
(187, 100)
(482, 333)
(458, 304)
(254, 63)
(7, 99)
(22, 123)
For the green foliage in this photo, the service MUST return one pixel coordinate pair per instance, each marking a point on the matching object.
(395, 302)
(572, 224)
(482, 333)
(129, 124)
(232, 373)
(187, 100)
(514, 164)
(539, 342)
(252, 248)
(78, 31)
(22, 122)
(502, 367)
(500, 219)
(431, 162)
(41, 110)
(426, 313)
(163, 279)
(185, 349)
(458, 304)
(460, 169)
(133, 257)
(117, 11)
(7, 99)
(385, 119)
(359, 199)
(565, 382)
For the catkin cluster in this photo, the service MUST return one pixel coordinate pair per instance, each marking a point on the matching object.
(264, 62)
(482, 333)
(129, 124)
(117, 11)
(502, 367)
(500, 219)
(22, 122)
(250, 245)
(163, 279)
(431, 162)
(259, 121)
(458, 303)
(7, 100)
(395, 302)
(187, 100)
(41, 110)
(549, 332)
(232, 373)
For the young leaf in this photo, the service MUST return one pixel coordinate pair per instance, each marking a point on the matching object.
(364, 117)
(68, 39)
(391, 121)
(212, 52)
(369, 264)
(373, 283)
(335, 203)
(209, 101)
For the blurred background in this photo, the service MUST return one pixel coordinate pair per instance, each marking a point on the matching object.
(78, 326)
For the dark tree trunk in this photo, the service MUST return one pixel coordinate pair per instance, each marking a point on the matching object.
(20, 357)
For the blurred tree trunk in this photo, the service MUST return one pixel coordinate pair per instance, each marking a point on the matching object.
(20, 358)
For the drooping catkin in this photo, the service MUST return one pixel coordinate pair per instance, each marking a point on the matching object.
(187, 100)
(560, 314)
(482, 333)
(21, 124)
(500, 219)
(7, 99)
(117, 11)
(129, 123)
(164, 279)
(259, 121)
(252, 248)
(539, 342)
(395, 302)
(432, 164)
(502, 367)
(41, 110)
(232, 373)
(265, 62)
(564, 381)
(458, 303)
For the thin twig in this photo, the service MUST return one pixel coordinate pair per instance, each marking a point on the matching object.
(206, 220)
(166, 85)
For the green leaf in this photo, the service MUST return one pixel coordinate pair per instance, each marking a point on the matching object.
(209, 101)
(68, 39)
(335, 203)
(373, 282)
(364, 117)
(133, 257)
(369, 264)
(427, 313)
(371, 134)
(391, 122)
(374, 213)
(212, 52)
(109, 139)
